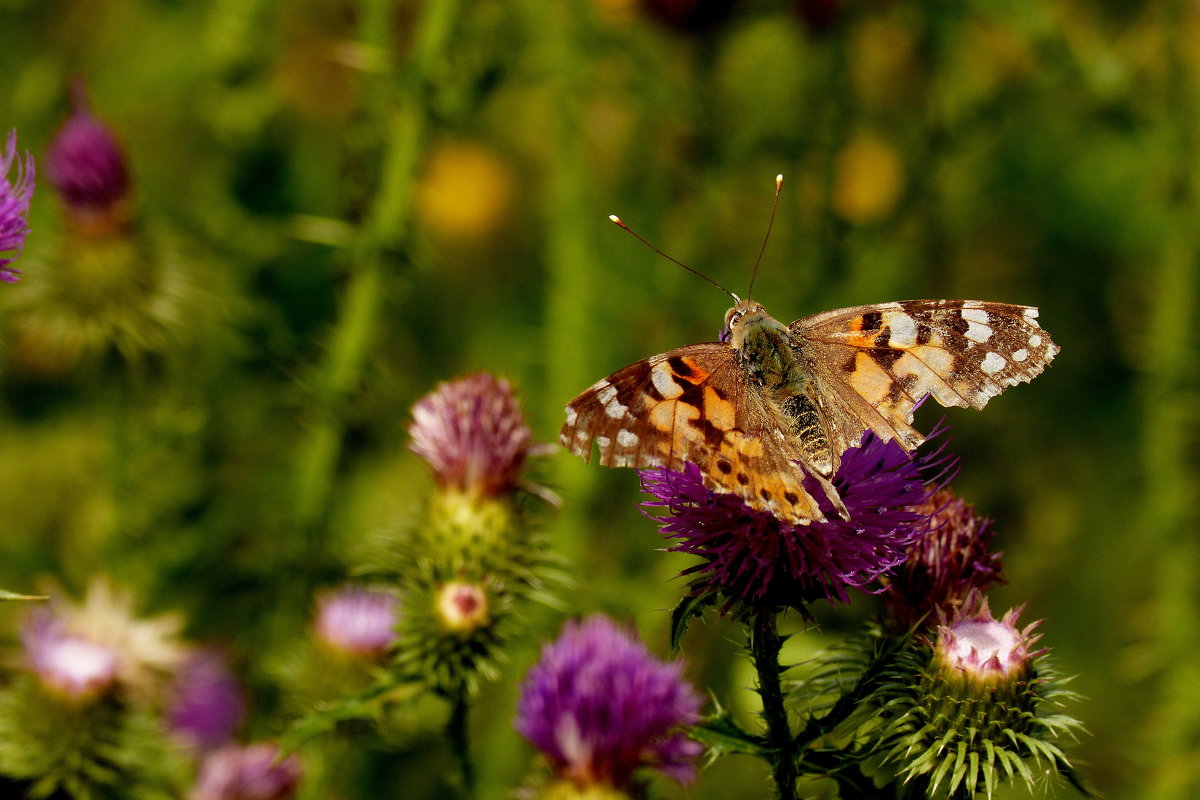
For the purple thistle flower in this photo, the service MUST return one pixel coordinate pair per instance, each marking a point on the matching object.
(980, 648)
(471, 431)
(207, 704)
(14, 206)
(87, 167)
(72, 665)
(753, 558)
(944, 565)
(357, 621)
(249, 772)
(599, 706)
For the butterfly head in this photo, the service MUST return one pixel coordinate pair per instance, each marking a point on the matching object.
(745, 319)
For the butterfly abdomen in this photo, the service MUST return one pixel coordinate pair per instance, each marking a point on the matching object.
(805, 426)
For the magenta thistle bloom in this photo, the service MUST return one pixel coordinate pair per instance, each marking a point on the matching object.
(250, 772)
(944, 565)
(15, 195)
(472, 432)
(65, 662)
(752, 557)
(978, 647)
(357, 621)
(599, 706)
(207, 704)
(87, 167)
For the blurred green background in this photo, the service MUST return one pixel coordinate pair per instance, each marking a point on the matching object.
(351, 201)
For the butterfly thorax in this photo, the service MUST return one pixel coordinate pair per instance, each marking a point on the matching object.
(768, 355)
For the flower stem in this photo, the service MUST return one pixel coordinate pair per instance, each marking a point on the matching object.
(456, 733)
(765, 644)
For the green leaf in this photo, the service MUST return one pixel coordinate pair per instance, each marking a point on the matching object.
(721, 734)
(365, 705)
(691, 605)
(7, 595)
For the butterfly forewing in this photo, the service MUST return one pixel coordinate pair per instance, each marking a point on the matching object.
(693, 405)
(877, 362)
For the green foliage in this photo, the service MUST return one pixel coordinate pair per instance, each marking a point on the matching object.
(97, 750)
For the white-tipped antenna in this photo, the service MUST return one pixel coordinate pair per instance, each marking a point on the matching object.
(763, 249)
(627, 229)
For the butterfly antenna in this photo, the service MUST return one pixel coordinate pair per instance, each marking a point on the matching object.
(763, 249)
(627, 229)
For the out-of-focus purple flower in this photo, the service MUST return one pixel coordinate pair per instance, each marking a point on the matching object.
(249, 772)
(65, 662)
(944, 565)
(599, 706)
(753, 558)
(88, 169)
(357, 621)
(82, 648)
(15, 194)
(472, 432)
(207, 704)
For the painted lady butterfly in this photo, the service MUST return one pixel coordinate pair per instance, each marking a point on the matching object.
(758, 412)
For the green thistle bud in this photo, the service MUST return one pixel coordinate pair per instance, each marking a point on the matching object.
(975, 708)
(454, 633)
(462, 607)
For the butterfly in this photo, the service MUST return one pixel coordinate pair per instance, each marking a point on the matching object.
(776, 403)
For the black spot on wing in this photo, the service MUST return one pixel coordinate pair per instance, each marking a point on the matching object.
(872, 321)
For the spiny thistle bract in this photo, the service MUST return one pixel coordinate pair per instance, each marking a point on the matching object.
(974, 708)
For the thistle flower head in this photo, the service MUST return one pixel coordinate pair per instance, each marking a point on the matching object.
(944, 565)
(15, 194)
(753, 558)
(86, 166)
(206, 704)
(79, 635)
(975, 707)
(357, 621)
(249, 772)
(600, 707)
(472, 433)
(985, 650)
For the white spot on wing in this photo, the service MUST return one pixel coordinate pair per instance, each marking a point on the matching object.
(1020, 355)
(975, 315)
(605, 394)
(604, 442)
(626, 438)
(614, 409)
(977, 332)
(904, 330)
(664, 381)
(1035, 340)
(572, 415)
(993, 363)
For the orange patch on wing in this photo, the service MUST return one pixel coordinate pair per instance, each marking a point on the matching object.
(696, 374)
(672, 415)
(718, 411)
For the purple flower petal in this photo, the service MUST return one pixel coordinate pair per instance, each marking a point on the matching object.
(752, 557)
(15, 195)
(600, 707)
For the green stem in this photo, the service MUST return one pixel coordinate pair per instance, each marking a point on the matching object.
(765, 644)
(456, 733)
(384, 227)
